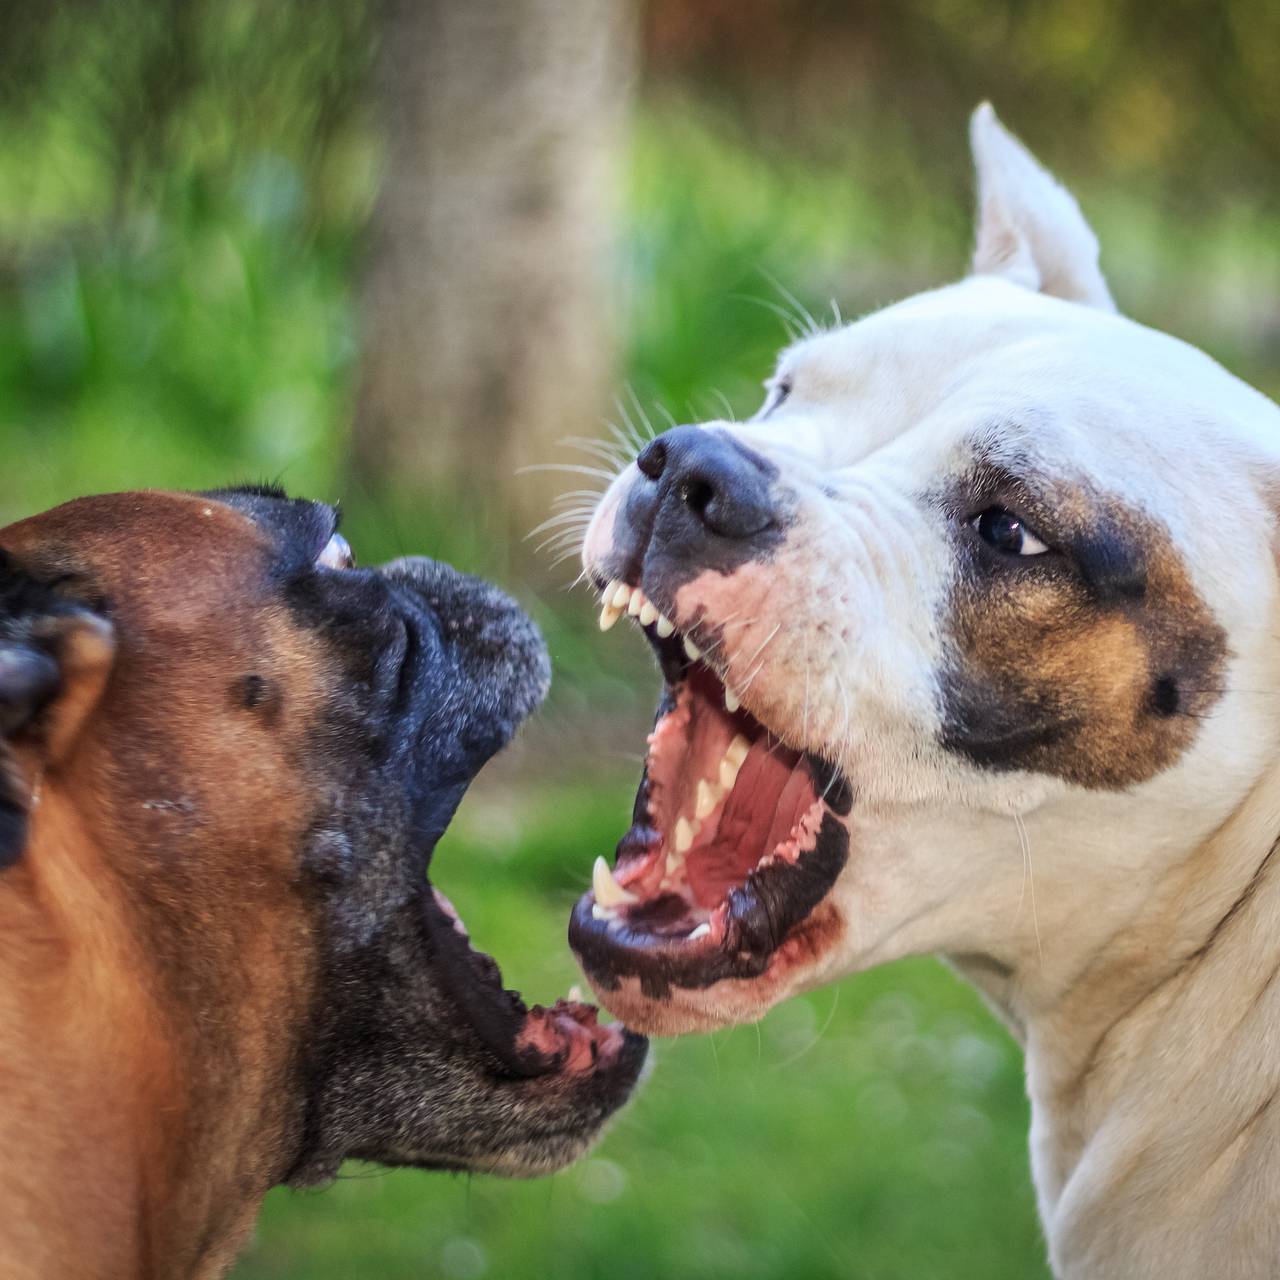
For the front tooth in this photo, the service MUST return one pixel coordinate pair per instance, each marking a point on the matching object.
(708, 797)
(648, 614)
(731, 703)
(665, 626)
(736, 751)
(691, 650)
(636, 603)
(608, 616)
(700, 932)
(684, 836)
(620, 597)
(609, 893)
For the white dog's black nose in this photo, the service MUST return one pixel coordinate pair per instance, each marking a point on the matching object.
(724, 485)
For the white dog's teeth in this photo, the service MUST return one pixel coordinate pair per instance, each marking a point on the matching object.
(665, 626)
(684, 835)
(608, 616)
(735, 754)
(621, 596)
(648, 614)
(700, 932)
(602, 913)
(636, 603)
(674, 862)
(691, 650)
(731, 702)
(576, 995)
(609, 893)
(708, 797)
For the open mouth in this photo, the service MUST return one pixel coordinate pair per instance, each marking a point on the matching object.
(736, 835)
(564, 1039)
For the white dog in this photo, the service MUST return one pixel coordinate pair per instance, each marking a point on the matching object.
(972, 646)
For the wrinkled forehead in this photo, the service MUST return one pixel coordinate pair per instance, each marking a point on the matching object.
(156, 553)
(983, 371)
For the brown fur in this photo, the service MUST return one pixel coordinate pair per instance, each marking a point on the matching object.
(1068, 656)
(142, 987)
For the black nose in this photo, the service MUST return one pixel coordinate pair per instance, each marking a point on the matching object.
(721, 482)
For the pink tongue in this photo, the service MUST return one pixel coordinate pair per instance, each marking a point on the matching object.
(772, 793)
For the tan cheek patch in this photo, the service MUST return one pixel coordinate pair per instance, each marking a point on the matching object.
(1047, 674)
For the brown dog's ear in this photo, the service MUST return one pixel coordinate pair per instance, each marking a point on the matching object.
(1030, 228)
(55, 656)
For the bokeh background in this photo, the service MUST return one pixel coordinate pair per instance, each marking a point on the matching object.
(393, 254)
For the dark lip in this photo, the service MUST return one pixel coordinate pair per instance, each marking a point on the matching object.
(762, 914)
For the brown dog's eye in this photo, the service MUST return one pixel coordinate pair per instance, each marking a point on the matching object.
(337, 554)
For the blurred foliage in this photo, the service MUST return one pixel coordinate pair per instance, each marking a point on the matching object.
(183, 190)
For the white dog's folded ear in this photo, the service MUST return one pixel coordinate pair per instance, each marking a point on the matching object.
(1030, 229)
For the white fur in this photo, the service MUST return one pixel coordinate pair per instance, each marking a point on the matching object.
(1153, 1147)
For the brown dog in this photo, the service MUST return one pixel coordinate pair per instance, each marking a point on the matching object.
(225, 757)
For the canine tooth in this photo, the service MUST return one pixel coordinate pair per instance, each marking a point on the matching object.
(684, 836)
(708, 797)
(731, 703)
(648, 614)
(608, 616)
(691, 650)
(602, 913)
(636, 603)
(674, 862)
(575, 995)
(665, 626)
(700, 932)
(609, 893)
(621, 596)
(736, 751)
(728, 774)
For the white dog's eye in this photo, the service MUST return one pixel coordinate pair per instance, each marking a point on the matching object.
(778, 390)
(1005, 532)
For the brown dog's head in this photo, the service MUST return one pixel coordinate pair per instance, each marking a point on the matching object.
(248, 748)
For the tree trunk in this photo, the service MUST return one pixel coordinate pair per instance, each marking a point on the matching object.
(487, 307)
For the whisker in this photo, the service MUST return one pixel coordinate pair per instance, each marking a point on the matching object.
(574, 467)
(1028, 878)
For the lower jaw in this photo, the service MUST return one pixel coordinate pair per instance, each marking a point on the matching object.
(674, 1009)
(766, 939)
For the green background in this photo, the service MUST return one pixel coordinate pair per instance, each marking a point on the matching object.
(184, 190)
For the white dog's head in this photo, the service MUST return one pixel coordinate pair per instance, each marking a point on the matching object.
(962, 634)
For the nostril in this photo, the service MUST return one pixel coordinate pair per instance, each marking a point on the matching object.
(652, 459)
(696, 494)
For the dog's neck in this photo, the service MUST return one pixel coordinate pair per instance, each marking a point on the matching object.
(1152, 1071)
(128, 1176)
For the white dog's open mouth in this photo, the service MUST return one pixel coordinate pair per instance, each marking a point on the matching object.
(736, 837)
